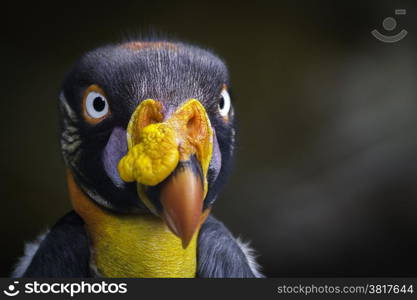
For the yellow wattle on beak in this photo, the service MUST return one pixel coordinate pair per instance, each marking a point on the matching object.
(175, 155)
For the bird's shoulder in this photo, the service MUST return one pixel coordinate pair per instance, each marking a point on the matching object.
(221, 255)
(62, 251)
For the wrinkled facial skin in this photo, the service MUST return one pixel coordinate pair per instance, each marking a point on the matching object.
(169, 73)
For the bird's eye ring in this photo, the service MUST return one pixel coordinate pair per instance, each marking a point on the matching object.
(224, 103)
(95, 104)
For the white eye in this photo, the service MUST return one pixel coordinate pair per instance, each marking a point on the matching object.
(96, 105)
(224, 104)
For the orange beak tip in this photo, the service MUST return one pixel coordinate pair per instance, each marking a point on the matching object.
(185, 243)
(182, 198)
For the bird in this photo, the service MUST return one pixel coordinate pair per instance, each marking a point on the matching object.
(148, 140)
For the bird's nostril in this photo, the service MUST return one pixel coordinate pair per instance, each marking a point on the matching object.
(190, 123)
(152, 120)
(151, 117)
(193, 126)
(149, 114)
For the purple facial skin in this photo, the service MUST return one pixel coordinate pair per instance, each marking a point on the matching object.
(115, 149)
(216, 159)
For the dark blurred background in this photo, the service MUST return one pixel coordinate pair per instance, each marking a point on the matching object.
(325, 182)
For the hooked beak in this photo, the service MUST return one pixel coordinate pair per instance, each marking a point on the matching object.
(170, 156)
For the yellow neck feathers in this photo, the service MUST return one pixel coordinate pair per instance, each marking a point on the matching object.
(132, 245)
